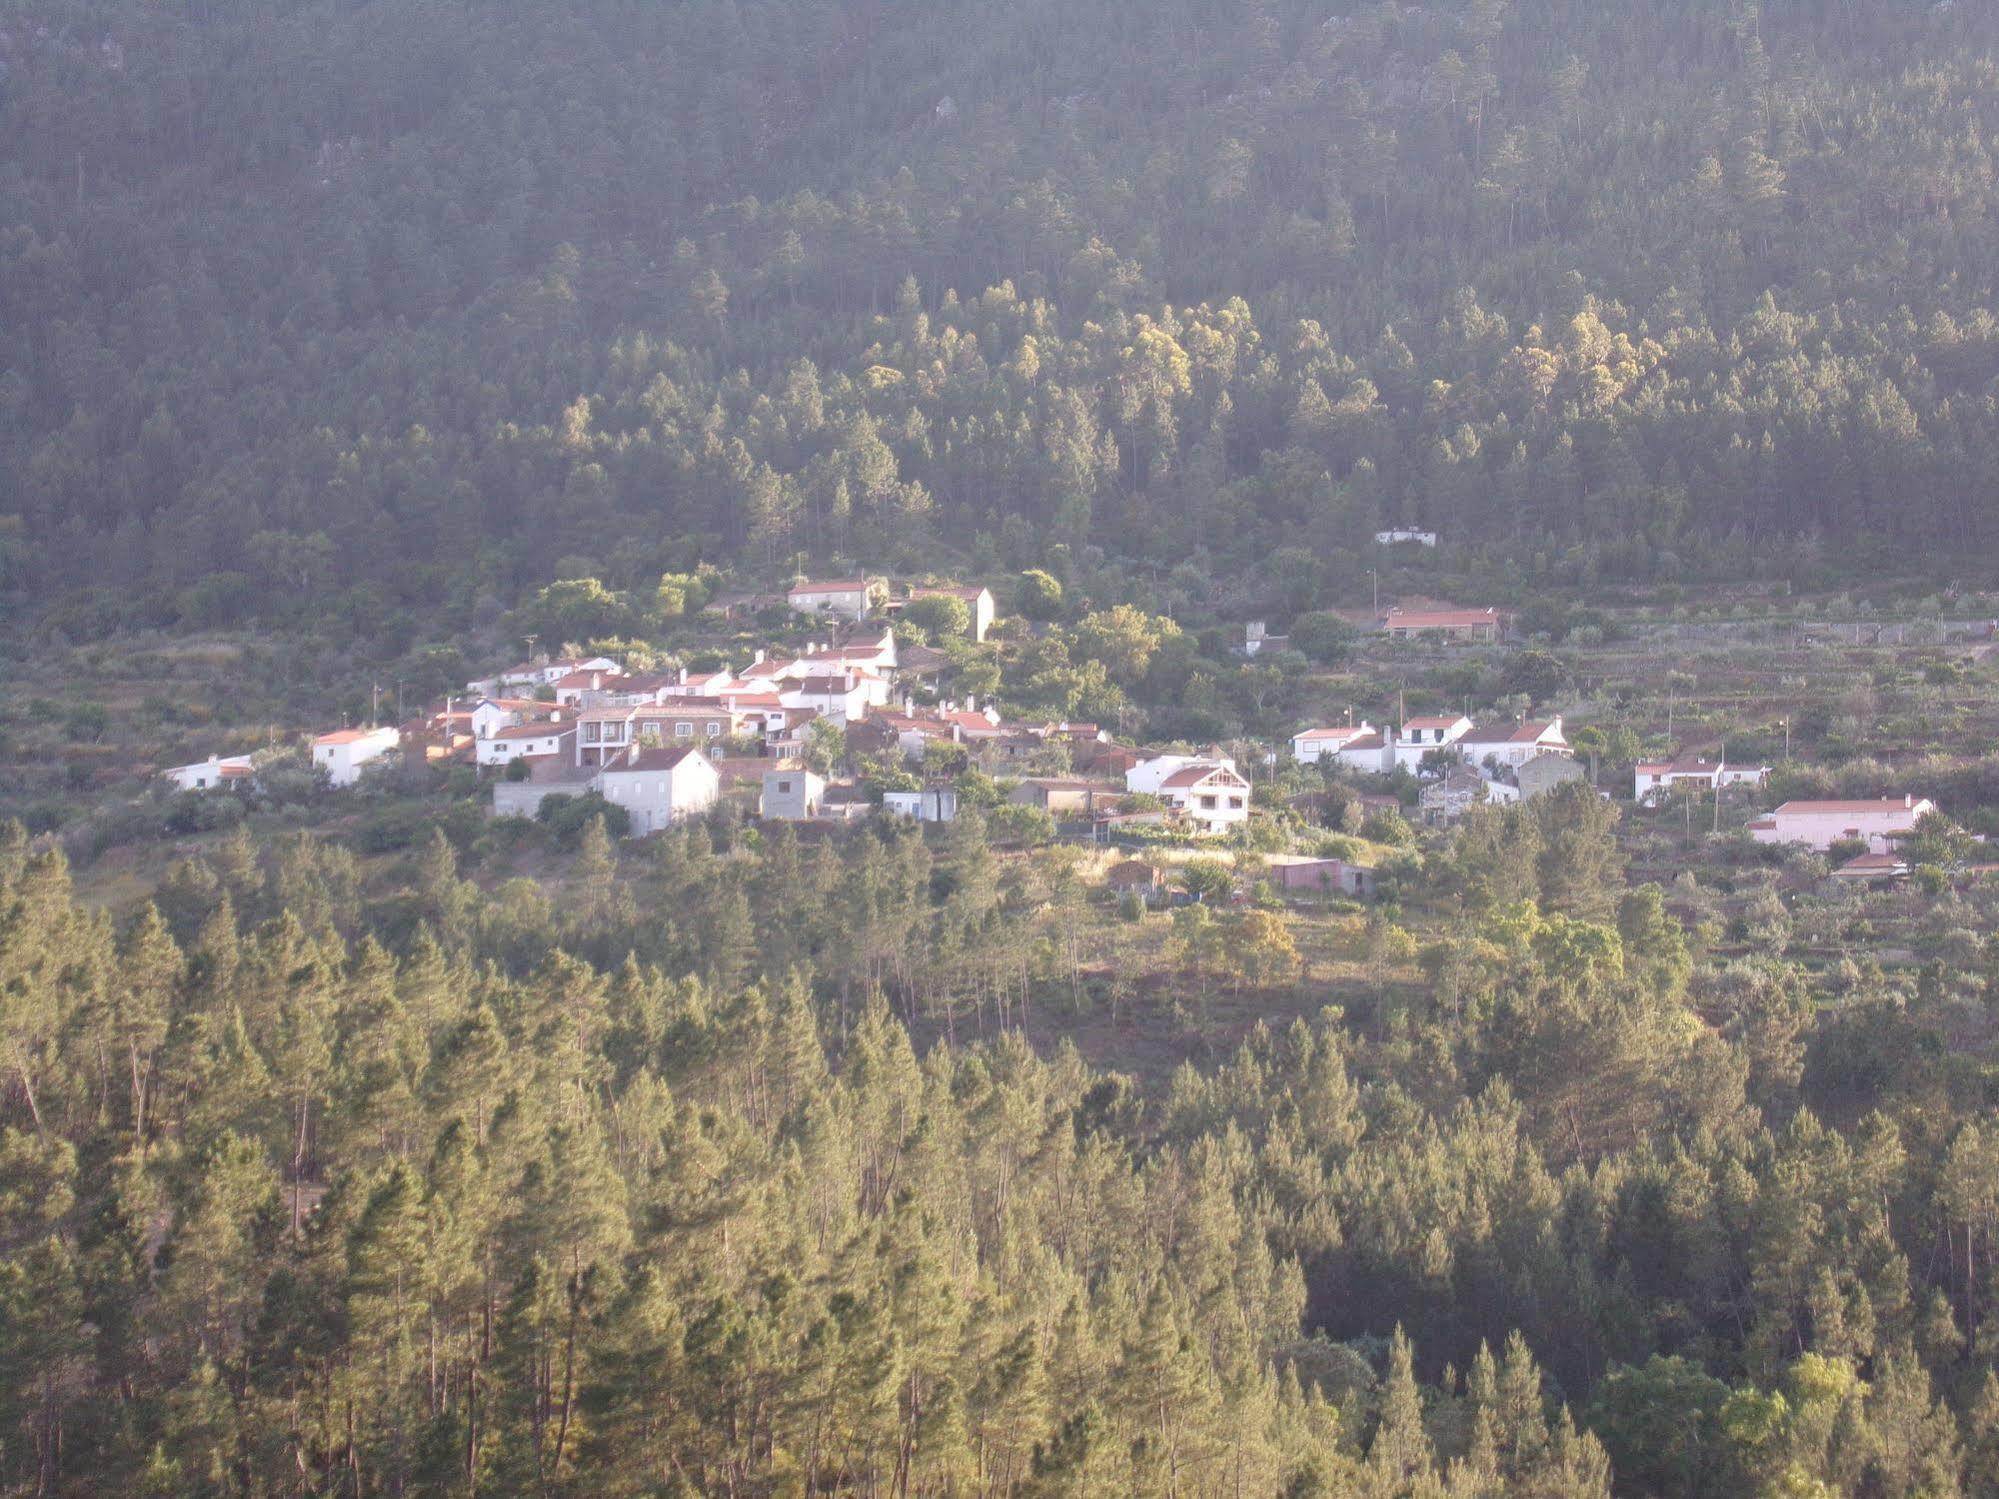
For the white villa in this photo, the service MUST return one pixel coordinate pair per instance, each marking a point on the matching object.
(343, 753)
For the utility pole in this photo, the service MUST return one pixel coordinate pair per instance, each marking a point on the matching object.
(1787, 738)
(531, 639)
(375, 705)
(1375, 577)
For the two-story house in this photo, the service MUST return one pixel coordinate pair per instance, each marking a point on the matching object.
(1819, 825)
(522, 741)
(1509, 746)
(1212, 796)
(660, 786)
(1422, 737)
(850, 598)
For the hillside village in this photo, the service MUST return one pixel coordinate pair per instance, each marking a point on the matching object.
(861, 717)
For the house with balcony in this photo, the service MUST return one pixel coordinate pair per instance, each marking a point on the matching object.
(1211, 795)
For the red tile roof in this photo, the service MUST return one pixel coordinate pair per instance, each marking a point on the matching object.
(1440, 619)
(1526, 733)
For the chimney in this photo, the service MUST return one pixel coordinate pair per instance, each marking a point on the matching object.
(971, 703)
(683, 676)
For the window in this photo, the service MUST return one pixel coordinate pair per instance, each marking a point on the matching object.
(784, 788)
(1207, 804)
(714, 731)
(1235, 803)
(683, 730)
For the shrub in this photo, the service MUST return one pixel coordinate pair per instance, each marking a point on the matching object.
(1013, 823)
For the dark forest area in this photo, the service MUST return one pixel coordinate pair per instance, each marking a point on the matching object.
(358, 1138)
(389, 310)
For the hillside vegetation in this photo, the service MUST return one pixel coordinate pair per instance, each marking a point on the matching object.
(411, 307)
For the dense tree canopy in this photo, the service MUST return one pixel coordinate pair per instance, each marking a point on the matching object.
(317, 301)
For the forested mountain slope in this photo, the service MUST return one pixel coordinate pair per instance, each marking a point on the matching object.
(297, 299)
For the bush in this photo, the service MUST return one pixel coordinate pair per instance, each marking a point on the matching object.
(940, 616)
(1388, 828)
(567, 816)
(1040, 595)
(388, 831)
(1013, 823)
(1323, 637)
(201, 812)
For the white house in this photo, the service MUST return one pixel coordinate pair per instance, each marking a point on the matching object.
(1148, 776)
(876, 655)
(1310, 746)
(1654, 780)
(491, 714)
(1212, 796)
(1422, 736)
(344, 752)
(1372, 753)
(1510, 746)
(931, 804)
(659, 787)
(842, 696)
(233, 771)
(793, 794)
(519, 741)
(851, 598)
(1401, 534)
(1819, 825)
(531, 674)
(699, 683)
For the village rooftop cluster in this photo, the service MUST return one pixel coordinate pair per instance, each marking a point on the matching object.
(669, 746)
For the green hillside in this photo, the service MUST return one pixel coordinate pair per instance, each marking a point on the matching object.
(395, 307)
